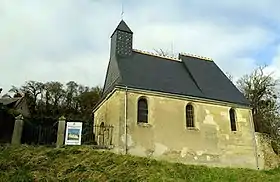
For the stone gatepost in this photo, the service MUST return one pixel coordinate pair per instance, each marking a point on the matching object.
(18, 127)
(60, 131)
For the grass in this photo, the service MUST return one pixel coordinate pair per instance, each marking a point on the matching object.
(26, 163)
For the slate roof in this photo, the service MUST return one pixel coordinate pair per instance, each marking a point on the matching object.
(122, 27)
(187, 75)
(191, 76)
(211, 80)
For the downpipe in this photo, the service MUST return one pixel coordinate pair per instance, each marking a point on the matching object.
(254, 138)
(125, 120)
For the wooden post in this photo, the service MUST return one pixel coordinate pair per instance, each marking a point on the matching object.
(18, 127)
(60, 131)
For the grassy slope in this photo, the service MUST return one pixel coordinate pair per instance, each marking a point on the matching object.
(84, 164)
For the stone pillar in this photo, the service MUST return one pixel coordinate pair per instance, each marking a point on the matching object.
(60, 131)
(16, 138)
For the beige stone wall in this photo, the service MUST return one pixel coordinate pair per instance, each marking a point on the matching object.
(109, 112)
(166, 136)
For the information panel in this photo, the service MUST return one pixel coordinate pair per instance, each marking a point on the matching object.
(73, 133)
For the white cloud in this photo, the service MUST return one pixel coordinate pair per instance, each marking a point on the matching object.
(69, 40)
(274, 67)
(227, 45)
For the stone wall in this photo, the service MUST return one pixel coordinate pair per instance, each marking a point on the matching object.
(110, 113)
(268, 159)
(166, 137)
(211, 142)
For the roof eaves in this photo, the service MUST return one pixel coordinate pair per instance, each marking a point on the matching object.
(114, 83)
(200, 99)
(104, 98)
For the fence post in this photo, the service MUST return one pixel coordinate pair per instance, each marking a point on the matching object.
(60, 131)
(17, 133)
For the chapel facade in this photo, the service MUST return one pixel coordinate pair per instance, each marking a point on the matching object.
(182, 109)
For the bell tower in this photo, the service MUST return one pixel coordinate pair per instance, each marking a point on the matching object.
(121, 41)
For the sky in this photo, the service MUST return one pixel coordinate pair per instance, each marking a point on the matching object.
(69, 40)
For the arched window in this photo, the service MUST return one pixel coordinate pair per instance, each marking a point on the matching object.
(189, 116)
(101, 128)
(102, 124)
(142, 115)
(232, 119)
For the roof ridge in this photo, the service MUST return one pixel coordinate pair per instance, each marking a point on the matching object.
(192, 77)
(156, 55)
(197, 56)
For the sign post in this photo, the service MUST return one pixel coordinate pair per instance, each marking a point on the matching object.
(73, 133)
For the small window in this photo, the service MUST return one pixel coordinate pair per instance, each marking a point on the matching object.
(189, 116)
(142, 116)
(232, 119)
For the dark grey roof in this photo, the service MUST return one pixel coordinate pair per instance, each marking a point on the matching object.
(190, 77)
(211, 80)
(113, 76)
(122, 27)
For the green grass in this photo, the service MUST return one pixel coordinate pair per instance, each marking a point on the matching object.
(26, 163)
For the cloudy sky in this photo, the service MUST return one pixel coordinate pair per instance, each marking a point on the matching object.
(63, 40)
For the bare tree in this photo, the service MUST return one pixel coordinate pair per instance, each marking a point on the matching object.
(230, 77)
(162, 52)
(261, 90)
(14, 90)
